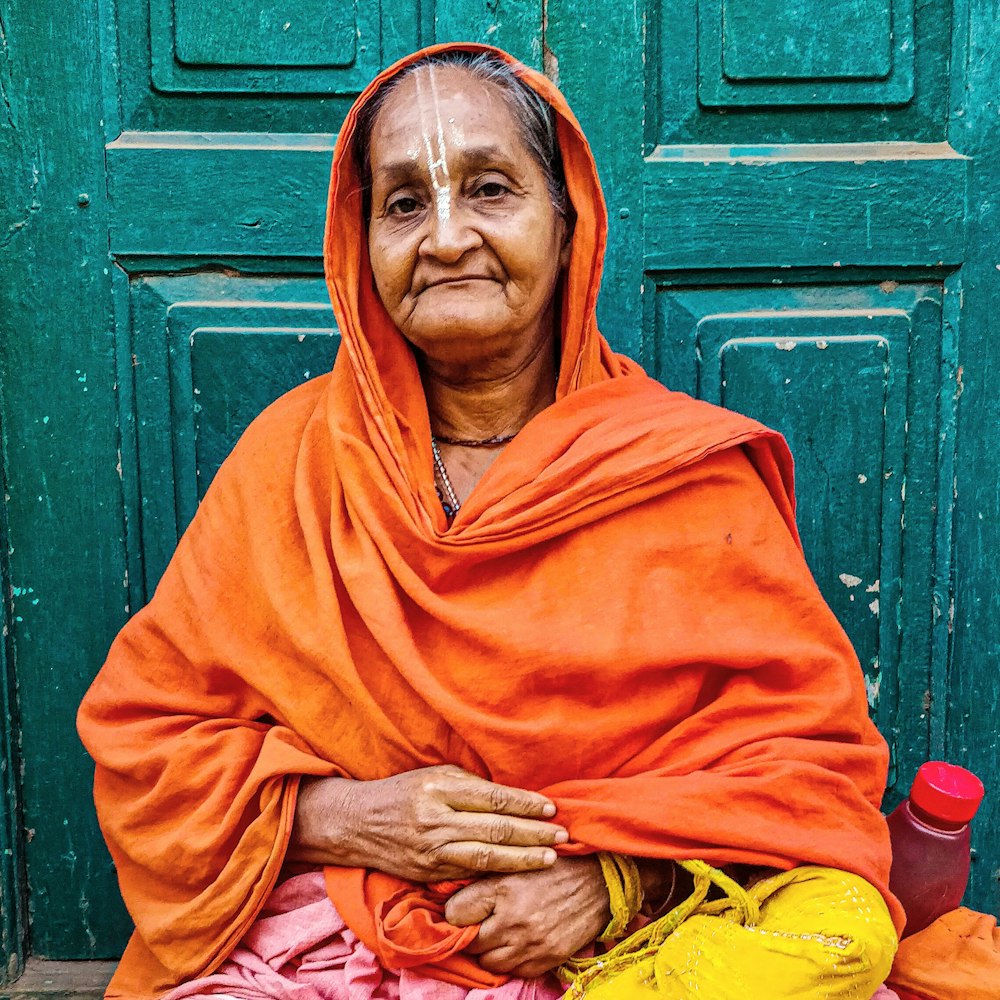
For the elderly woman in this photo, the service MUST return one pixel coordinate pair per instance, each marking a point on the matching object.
(486, 656)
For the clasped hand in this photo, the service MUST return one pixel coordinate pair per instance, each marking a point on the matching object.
(442, 822)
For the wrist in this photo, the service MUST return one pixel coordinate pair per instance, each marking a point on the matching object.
(323, 828)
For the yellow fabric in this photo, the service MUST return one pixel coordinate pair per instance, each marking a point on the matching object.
(807, 933)
(624, 890)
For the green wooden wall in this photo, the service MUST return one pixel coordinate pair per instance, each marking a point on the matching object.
(804, 203)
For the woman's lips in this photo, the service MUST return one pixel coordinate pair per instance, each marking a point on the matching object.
(456, 281)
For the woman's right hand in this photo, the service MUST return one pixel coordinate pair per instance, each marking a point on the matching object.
(426, 825)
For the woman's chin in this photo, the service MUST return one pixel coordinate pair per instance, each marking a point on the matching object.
(463, 338)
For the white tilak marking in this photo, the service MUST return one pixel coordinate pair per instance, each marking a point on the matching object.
(457, 135)
(442, 184)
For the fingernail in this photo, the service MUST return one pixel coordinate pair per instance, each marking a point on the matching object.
(549, 810)
(561, 837)
(549, 857)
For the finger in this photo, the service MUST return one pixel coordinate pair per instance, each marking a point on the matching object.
(475, 856)
(501, 960)
(471, 905)
(490, 937)
(479, 795)
(510, 830)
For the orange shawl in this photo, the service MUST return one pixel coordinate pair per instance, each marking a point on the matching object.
(620, 616)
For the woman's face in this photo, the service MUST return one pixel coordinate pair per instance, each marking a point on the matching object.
(465, 244)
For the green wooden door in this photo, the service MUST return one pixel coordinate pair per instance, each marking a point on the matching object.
(802, 203)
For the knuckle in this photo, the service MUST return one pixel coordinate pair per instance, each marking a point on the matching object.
(482, 858)
(502, 831)
(498, 798)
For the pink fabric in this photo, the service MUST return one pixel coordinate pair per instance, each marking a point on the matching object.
(300, 949)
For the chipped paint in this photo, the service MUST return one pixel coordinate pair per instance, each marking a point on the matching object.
(873, 688)
(849, 580)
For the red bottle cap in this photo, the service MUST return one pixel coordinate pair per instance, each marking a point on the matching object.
(947, 791)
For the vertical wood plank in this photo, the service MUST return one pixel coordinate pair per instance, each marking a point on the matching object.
(60, 436)
(971, 734)
(13, 911)
(594, 52)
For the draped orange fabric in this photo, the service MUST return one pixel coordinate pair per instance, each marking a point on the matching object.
(620, 616)
(956, 958)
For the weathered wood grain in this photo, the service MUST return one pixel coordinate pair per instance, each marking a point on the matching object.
(764, 210)
(63, 497)
(60, 981)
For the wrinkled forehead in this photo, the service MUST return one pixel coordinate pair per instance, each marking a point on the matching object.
(441, 104)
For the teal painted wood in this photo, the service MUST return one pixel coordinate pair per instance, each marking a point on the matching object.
(973, 690)
(63, 490)
(276, 210)
(185, 334)
(756, 45)
(844, 372)
(595, 52)
(693, 101)
(887, 207)
(13, 899)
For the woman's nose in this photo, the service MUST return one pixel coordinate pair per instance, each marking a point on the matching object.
(449, 233)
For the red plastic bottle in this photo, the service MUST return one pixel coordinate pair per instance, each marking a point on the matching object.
(930, 842)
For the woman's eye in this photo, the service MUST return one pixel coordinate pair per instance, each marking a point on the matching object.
(492, 189)
(404, 206)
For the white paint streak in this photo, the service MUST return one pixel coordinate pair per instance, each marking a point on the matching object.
(437, 167)
(457, 134)
(848, 580)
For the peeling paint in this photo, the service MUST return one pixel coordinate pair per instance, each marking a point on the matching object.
(873, 607)
(849, 580)
(873, 688)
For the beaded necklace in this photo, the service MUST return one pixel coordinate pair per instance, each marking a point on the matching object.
(450, 503)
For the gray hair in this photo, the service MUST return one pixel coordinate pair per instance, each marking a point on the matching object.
(534, 118)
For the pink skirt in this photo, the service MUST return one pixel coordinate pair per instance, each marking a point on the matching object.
(299, 948)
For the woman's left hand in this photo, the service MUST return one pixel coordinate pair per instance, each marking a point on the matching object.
(533, 921)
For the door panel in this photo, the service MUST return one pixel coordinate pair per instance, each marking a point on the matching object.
(209, 352)
(850, 374)
(838, 52)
